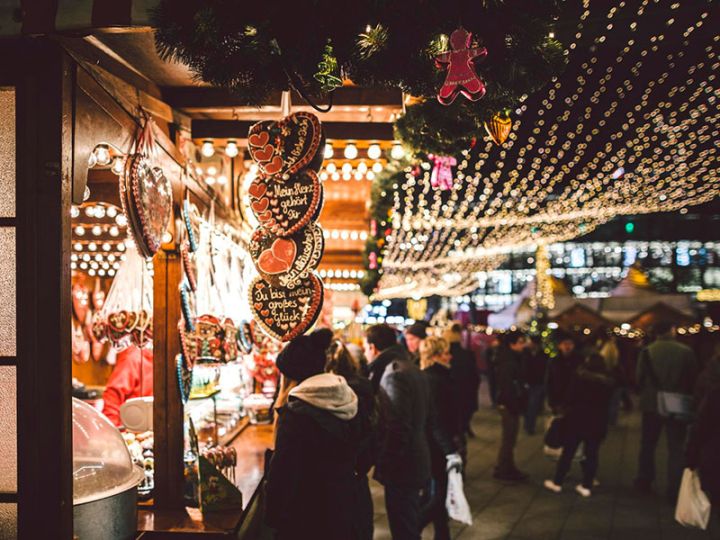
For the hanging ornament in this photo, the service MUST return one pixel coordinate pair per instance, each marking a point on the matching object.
(499, 126)
(372, 261)
(459, 62)
(441, 176)
(328, 73)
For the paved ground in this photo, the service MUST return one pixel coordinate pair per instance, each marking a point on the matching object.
(529, 512)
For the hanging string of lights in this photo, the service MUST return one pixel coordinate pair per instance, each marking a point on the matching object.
(630, 128)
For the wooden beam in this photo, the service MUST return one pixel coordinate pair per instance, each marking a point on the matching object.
(233, 129)
(208, 97)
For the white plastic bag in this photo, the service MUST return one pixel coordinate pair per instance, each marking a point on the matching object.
(456, 503)
(693, 506)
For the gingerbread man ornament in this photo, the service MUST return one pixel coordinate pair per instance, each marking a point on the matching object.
(459, 62)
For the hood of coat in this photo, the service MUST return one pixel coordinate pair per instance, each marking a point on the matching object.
(328, 392)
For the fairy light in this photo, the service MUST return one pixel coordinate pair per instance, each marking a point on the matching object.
(207, 149)
(231, 149)
(623, 137)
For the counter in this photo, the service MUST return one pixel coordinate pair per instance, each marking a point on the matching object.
(251, 445)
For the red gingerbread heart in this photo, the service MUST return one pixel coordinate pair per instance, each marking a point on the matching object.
(260, 206)
(297, 143)
(259, 139)
(286, 313)
(283, 261)
(293, 203)
(257, 190)
(265, 153)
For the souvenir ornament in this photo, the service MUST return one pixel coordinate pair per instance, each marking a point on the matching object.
(286, 313)
(146, 196)
(441, 176)
(245, 337)
(459, 62)
(499, 127)
(283, 262)
(285, 207)
(283, 148)
(189, 211)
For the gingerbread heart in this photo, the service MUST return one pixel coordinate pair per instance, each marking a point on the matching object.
(286, 207)
(284, 261)
(288, 146)
(286, 313)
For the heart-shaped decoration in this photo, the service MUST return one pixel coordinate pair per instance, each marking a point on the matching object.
(290, 205)
(283, 261)
(288, 317)
(259, 139)
(290, 145)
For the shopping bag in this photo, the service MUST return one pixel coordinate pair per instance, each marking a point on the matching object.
(455, 502)
(693, 506)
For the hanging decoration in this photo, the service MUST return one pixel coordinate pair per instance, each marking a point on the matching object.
(328, 73)
(543, 299)
(287, 247)
(126, 315)
(499, 126)
(146, 193)
(459, 63)
(441, 176)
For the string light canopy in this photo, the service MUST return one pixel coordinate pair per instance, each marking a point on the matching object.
(630, 128)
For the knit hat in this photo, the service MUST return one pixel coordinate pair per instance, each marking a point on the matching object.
(418, 329)
(305, 356)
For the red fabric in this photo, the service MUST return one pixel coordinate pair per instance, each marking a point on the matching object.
(131, 378)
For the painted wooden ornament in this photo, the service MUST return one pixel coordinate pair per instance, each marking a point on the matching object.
(286, 313)
(461, 77)
(499, 127)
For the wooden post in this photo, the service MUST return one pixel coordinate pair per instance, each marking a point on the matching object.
(44, 163)
(167, 407)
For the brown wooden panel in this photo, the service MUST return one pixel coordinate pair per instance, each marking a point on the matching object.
(234, 129)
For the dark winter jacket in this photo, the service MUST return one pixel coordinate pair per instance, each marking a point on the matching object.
(560, 372)
(465, 378)
(703, 448)
(535, 367)
(511, 386)
(674, 367)
(446, 426)
(312, 488)
(587, 402)
(403, 453)
(376, 369)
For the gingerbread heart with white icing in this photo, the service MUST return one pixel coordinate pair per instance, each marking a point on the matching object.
(286, 207)
(283, 148)
(286, 313)
(283, 261)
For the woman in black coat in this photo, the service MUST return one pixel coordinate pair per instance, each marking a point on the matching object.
(311, 488)
(446, 429)
(585, 422)
(342, 363)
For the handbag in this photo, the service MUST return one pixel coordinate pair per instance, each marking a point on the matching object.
(674, 405)
(693, 506)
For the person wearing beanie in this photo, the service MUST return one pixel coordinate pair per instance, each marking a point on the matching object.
(311, 490)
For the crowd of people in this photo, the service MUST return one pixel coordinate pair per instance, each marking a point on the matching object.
(401, 407)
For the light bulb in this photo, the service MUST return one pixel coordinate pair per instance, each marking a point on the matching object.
(346, 176)
(370, 175)
(100, 212)
(121, 247)
(111, 212)
(350, 151)
(207, 150)
(331, 168)
(90, 211)
(335, 176)
(231, 150)
(102, 155)
(77, 246)
(222, 180)
(97, 230)
(92, 246)
(328, 153)
(374, 151)
(80, 231)
(346, 168)
(358, 175)
(377, 167)
(106, 246)
(323, 176)
(74, 212)
(167, 237)
(118, 166)
(212, 170)
(397, 151)
(121, 220)
(362, 167)
(210, 180)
